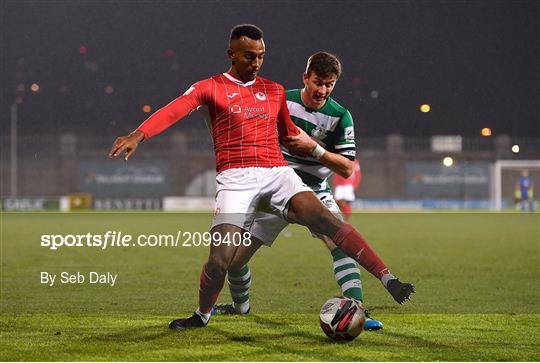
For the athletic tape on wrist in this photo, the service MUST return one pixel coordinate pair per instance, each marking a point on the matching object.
(318, 152)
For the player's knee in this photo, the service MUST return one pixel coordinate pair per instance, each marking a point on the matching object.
(216, 266)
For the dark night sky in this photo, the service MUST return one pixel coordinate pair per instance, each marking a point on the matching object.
(475, 62)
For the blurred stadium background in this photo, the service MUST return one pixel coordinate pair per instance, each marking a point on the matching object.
(439, 91)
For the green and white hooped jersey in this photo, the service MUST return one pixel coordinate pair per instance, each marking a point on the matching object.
(331, 126)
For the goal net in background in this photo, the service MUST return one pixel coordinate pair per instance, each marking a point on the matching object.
(505, 176)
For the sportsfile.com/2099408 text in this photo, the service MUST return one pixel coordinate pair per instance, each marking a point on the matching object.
(120, 239)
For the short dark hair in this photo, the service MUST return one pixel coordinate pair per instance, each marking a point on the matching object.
(249, 30)
(324, 64)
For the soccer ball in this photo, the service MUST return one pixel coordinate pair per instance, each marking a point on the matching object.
(342, 318)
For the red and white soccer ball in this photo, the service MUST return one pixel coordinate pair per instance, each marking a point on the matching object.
(342, 318)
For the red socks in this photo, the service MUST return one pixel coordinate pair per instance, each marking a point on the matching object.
(354, 245)
(346, 238)
(209, 290)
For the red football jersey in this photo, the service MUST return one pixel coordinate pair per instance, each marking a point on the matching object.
(246, 119)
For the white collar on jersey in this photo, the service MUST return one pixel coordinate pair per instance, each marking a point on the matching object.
(237, 81)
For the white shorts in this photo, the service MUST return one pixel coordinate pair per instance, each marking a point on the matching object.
(242, 192)
(267, 227)
(344, 192)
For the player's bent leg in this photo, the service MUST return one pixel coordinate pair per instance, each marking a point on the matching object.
(347, 275)
(306, 209)
(346, 272)
(351, 242)
(348, 278)
(239, 280)
(212, 277)
(263, 231)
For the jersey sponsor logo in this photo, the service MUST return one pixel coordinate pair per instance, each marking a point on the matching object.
(232, 95)
(260, 96)
(188, 91)
(252, 112)
(318, 133)
(349, 133)
(235, 109)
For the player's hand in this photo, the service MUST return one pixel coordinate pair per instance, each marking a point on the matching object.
(127, 143)
(301, 144)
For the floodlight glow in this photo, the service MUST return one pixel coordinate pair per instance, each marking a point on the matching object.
(425, 108)
(34, 87)
(515, 149)
(448, 161)
(486, 131)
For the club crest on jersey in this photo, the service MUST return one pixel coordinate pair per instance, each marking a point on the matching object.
(260, 96)
(318, 133)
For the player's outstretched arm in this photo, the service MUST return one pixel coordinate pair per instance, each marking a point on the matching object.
(300, 144)
(127, 143)
(339, 164)
(303, 145)
(162, 119)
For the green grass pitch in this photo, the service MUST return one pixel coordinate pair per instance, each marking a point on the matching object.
(476, 274)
